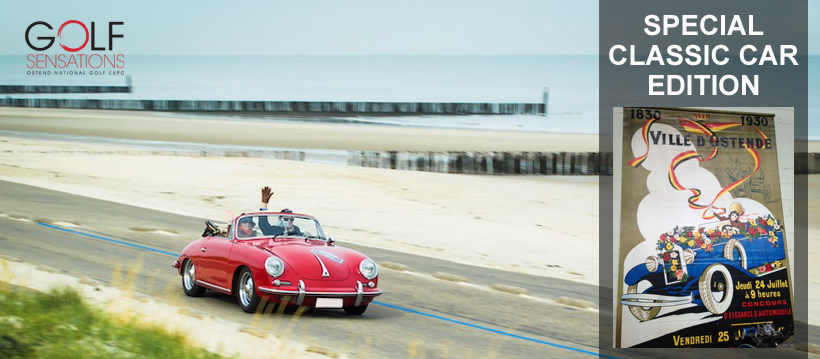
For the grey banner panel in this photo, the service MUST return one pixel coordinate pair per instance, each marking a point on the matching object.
(781, 85)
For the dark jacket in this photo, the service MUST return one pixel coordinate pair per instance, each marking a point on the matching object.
(275, 230)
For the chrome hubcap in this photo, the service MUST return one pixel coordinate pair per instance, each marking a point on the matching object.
(189, 275)
(246, 289)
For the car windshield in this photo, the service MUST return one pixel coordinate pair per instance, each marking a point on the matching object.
(278, 226)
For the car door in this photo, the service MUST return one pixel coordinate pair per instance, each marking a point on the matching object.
(214, 266)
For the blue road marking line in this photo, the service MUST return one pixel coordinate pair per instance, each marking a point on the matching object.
(471, 325)
(393, 306)
(109, 239)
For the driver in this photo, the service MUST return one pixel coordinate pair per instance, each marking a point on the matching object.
(735, 211)
(245, 229)
(285, 225)
(287, 222)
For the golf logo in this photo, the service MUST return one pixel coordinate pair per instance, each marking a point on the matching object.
(703, 257)
(73, 36)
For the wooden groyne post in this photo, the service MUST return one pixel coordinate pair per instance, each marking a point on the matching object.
(807, 163)
(57, 89)
(546, 99)
(488, 163)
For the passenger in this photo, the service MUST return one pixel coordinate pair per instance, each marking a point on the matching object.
(245, 229)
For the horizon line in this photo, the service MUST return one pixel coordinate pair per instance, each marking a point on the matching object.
(327, 54)
(331, 54)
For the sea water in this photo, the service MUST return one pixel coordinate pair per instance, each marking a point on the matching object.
(572, 82)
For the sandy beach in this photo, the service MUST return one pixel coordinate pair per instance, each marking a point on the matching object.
(282, 134)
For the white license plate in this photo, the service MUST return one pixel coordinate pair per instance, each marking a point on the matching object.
(329, 302)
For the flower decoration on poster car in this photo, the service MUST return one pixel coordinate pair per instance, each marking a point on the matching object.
(705, 239)
(763, 226)
(768, 267)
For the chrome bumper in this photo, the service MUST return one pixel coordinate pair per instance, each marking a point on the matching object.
(654, 300)
(301, 292)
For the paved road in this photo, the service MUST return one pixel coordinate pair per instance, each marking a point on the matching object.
(418, 316)
(430, 315)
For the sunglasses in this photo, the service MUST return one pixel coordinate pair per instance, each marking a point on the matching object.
(288, 219)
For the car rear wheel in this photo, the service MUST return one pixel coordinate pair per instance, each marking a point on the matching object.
(735, 252)
(189, 280)
(246, 291)
(641, 313)
(716, 290)
(356, 310)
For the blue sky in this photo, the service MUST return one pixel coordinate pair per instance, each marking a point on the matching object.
(328, 26)
(814, 27)
(322, 26)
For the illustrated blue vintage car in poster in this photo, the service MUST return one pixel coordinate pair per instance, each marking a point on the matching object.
(701, 266)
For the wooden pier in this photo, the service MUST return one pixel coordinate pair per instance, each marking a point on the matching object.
(261, 107)
(56, 89)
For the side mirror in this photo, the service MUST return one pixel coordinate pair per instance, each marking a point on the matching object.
(331, 240)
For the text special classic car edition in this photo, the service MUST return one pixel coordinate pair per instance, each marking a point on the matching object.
(279, 257)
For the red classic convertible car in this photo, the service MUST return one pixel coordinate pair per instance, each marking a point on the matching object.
(280, 257)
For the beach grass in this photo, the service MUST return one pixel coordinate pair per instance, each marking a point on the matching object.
(59, 324)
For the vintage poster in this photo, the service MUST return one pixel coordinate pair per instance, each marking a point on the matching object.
(702, 250)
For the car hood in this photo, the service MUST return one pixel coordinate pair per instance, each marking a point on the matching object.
(317, 261)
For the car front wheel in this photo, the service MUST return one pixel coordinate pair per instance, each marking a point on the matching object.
(246, 291)
(356, 310)
(189, 280)
(716, 290)
(641, 313)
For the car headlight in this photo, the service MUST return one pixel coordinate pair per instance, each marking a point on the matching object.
(653, 263)
(369, 268)
(689, 255)
(274, 266)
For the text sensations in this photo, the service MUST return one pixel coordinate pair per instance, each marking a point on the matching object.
(76, 61)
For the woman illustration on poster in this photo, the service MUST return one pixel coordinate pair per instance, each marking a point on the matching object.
(735, 213)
